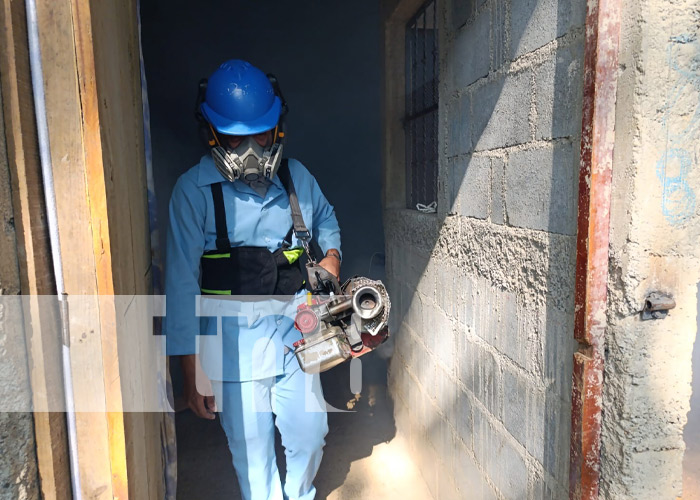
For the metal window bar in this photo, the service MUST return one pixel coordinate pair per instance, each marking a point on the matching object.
(421, 119)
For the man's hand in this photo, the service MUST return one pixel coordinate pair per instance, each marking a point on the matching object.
(198, 391)
(331, 262)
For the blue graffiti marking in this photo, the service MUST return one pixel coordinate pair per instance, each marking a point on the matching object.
(673, 168)
(678, 198)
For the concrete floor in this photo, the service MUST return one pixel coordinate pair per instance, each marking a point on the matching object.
(363, 457)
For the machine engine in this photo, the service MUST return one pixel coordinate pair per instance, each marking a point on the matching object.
(337, 327)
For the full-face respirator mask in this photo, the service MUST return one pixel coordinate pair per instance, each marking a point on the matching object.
(248, 161)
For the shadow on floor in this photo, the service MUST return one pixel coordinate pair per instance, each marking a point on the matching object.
(204, 462)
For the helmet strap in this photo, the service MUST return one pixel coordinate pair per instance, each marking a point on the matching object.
(214, 137)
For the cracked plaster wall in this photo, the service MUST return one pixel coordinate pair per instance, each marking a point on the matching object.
(654, 247)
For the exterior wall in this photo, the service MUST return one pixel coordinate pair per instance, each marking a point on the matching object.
(18, 462)
(481, 374)
(654, 247)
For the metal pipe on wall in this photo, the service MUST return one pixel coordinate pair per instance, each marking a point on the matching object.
(52, 222)
(595, 185)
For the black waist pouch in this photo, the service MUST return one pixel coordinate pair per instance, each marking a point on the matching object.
(251, 271)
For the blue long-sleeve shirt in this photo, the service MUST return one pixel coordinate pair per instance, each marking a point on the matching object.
(252, 344)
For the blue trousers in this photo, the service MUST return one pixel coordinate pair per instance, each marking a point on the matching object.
(296, 399)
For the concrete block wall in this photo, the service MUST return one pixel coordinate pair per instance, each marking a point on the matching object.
(481, 373)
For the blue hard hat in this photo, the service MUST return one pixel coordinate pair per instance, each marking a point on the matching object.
(240, 100)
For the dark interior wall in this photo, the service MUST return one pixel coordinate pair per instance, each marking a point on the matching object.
(327, 58)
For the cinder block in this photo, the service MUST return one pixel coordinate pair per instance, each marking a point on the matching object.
(541, 490)
(462, 10)
(431, 477)
(405, 383)
(487, 381)
(540, 189)
(446, 394)
(512, 478)
(558, 436)
(534, 23)
(402, 339)
(416, 411)
(463, 421)
(467, 363)
(445, 447)
(524, 413)
(513, 341)
(432, 333)
(414, 314)
(559, 90)
(406, 297)
(456, 299)
(469, 481)
(559, 347)
(472, 179)
(446, 487)
(448, 191)
(445, 343)
(500, 50)
(500, 112)
(454, 307)
(427, 375)
(485, 442)
(413, 350)
(428, 464)
(492, 325)
(485, 310)
(444, 286)
(426, 282)
(503, 463)
(395, 371)
(414, 267)
(398, 375)
(459, 140)
(469, 300)
(433, 422)
(468, 58)
(497, 187)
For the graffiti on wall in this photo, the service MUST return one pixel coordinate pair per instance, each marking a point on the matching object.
(680, 122)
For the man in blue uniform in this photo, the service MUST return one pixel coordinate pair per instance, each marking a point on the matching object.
(231, 233)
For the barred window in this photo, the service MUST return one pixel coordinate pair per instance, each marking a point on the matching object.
(421, 119)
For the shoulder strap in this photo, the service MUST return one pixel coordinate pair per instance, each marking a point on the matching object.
(300, 230)
(222, 242)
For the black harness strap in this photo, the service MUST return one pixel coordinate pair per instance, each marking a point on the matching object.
(249, 270)
(222, 242)
(287, 241)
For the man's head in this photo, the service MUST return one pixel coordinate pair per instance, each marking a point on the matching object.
(243, 110)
